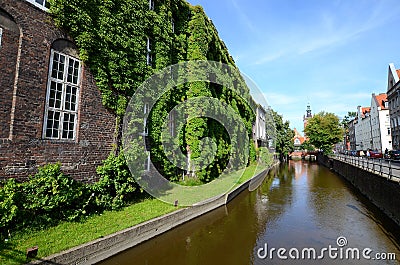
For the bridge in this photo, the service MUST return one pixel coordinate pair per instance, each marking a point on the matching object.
(306, 155)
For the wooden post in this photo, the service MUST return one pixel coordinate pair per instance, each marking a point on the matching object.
(32, 252)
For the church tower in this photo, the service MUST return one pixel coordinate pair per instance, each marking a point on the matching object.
(307, 117)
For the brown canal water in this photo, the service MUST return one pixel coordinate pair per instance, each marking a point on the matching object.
(301, 207)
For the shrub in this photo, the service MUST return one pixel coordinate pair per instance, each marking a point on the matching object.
(51, 196)
(265, 157)
(10, 199)
(252, 152)
(116, 185)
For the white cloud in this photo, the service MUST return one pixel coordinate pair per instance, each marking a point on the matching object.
(328, 29)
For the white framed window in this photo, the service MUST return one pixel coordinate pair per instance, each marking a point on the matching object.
(145, 128)
(1, 35)
(60, 121)
(42, 4)
(149, 56)
(151, 4)
(146, 164)
(146, 111)
(146, 108)
(171, 123)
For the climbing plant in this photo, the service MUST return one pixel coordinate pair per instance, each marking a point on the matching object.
(115, 39)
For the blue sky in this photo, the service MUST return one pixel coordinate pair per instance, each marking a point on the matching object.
(331, 54)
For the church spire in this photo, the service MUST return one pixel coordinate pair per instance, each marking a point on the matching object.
(307, 117)
(308, 111)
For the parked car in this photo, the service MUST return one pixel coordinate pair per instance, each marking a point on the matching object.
(375, 154)
(394, 154)
(353, 153)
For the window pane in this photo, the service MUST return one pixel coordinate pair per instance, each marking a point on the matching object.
(53, 122)
(73, 68)
(58, 66)
(68, 126)
(76, 72)
(55, 95)
(70, 98)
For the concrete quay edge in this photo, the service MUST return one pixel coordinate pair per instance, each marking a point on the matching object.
(110, 245)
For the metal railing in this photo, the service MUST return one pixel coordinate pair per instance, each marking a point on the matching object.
(387, 168)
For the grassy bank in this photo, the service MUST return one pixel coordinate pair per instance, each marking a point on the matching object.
(70, 234)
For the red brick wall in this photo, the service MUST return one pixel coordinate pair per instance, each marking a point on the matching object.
(26, 149)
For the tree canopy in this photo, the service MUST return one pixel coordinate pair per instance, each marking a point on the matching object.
(324, 130)
(284, 139)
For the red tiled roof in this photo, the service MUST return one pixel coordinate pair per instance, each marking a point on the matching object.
(381, 99)
(365, 110)
(398, 72)
(297, 135)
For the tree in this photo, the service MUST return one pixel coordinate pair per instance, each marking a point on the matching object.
(345, 123)
(347, 118)
(307, 146)
(324, 130)
(284, 136)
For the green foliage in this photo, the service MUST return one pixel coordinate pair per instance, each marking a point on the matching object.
(10, 199)
(265, 156)
(252, 152)
(51, 195)
(306, 145)
(112, 41)
(324, 130)
(48, 197)
(284, 141)
(345, 123)
(116, 186)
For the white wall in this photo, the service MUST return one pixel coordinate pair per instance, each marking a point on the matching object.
(363, 131)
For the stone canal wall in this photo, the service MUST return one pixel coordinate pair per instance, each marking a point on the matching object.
(103, 248)
(382, 192)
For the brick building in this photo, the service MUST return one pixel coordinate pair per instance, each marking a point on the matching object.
(50, 108)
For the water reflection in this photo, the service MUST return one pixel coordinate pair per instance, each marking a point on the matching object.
(300, 205)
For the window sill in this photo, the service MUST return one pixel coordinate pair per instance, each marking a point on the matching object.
(33, 2)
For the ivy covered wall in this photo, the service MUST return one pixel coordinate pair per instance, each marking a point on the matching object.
(112, 36)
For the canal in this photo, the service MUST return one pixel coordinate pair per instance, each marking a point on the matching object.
(300, 207)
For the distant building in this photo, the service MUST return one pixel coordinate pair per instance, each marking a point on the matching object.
(298, 139)
(393, 90)
(363, 128)
(380, 123)
(352, 134)
(259, 128)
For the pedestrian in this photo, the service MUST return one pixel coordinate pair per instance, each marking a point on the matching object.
(368, 154)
